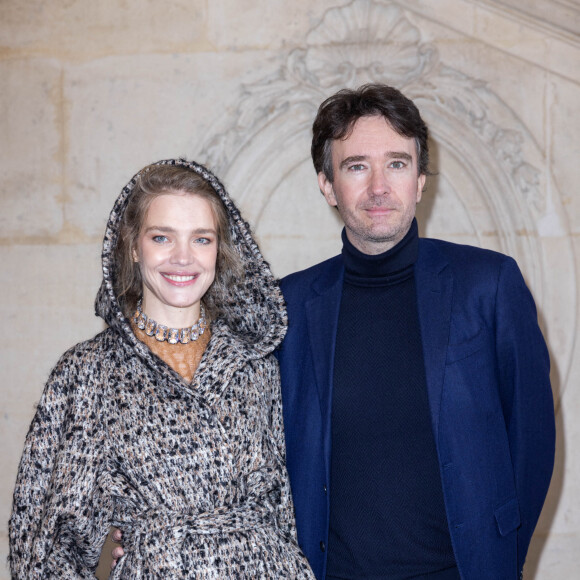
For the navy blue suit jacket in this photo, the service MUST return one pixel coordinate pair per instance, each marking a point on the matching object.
(487, 370)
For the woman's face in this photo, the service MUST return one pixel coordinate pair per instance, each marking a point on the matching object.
(176, 251)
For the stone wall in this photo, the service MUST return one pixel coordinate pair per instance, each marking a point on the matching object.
(93, 91)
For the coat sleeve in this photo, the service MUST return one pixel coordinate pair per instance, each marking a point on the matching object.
(524, 368)
(60, 508)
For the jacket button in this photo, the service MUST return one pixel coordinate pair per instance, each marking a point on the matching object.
(324, 489)
(322, 547)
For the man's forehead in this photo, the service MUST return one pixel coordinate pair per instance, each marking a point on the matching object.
(371, 136)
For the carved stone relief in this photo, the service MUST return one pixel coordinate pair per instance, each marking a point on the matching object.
(561, 17)
(491, 184)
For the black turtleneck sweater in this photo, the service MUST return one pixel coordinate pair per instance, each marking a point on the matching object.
(387, 516)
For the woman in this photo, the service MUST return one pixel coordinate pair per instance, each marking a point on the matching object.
(168, 424)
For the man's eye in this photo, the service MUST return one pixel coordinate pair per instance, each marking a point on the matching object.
(357, 167)
(397, 164)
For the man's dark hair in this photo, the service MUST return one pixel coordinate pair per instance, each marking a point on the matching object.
(337, 115)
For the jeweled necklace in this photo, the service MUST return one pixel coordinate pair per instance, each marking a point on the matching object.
(164, 333)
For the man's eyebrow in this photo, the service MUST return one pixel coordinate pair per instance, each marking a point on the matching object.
(399, 155)
(352, 159)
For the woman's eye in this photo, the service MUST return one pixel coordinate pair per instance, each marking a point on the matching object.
(160, 239)
(203, 241)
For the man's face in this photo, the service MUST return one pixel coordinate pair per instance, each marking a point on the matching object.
(376, 184)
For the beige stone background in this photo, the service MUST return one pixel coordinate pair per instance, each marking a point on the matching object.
(92, 91)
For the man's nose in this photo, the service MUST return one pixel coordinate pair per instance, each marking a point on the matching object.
(379, 184)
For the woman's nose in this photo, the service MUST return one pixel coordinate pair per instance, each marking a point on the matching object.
(182, 254)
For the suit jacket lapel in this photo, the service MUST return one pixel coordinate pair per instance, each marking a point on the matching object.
(322, 315)
(434, 295)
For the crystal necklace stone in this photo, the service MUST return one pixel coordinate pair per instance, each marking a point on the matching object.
(161, 333)
(195, 332)
(185, 335)
(150, 327)
(173, 336)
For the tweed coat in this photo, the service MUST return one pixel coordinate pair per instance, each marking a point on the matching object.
(194, 474)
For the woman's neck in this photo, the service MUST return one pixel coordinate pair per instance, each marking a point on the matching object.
(170, 316)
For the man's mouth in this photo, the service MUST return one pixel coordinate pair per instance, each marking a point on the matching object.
(379, 209)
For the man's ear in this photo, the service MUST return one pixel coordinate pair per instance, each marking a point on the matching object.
(326, 188)
(420, 186)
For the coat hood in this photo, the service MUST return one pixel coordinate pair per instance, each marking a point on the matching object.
(253, 309)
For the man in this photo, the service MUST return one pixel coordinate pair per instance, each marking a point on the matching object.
(417, 403)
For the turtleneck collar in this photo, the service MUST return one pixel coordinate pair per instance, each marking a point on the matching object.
(387, 268)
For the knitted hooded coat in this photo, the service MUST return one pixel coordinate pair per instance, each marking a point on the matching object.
(193, 473)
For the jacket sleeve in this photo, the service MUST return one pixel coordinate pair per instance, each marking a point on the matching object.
(524, 368)
(285, 509)
(60, 508)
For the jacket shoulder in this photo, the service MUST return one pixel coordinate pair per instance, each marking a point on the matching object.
(461, 257)
(300, 281)
(82, 356)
